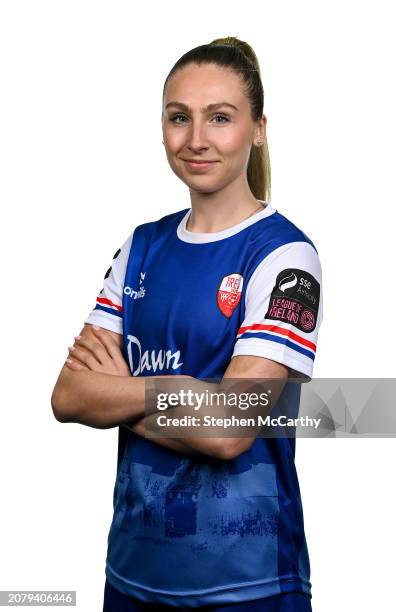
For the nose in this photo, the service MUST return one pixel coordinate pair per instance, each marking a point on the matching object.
(197, 136)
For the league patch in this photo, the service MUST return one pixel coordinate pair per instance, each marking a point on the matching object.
(229, 293)
(295, 299)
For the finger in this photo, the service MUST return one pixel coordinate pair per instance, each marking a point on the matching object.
(108, 341)
(75, 365)
(80, 356)
(94, 346)
(85, 357)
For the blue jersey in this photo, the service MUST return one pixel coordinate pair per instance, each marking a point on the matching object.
(195, 530)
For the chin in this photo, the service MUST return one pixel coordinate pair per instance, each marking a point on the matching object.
(201, 187)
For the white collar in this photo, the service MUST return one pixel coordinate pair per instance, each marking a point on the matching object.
(202, 237)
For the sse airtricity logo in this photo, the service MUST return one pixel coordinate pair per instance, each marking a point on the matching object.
(287, 282)
(295, 299)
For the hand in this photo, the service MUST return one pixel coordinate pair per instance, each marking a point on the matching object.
(102, 354)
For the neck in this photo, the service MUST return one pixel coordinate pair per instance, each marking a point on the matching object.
(215, 212)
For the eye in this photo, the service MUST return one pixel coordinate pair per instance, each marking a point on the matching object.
(174, 117)
(221, 117)
(177, 115)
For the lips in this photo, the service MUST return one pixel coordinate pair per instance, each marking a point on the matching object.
(199, 165)
(200, 161)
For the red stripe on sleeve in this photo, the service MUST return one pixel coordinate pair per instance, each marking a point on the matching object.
(278, 330)
(109, 303)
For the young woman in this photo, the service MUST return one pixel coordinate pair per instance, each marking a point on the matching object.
(229, 288)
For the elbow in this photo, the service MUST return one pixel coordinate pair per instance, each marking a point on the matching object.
(59, 406)
(231, 448)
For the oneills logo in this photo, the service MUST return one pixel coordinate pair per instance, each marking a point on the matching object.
(229, 293)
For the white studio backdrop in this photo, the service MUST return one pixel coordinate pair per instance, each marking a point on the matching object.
(82, 164)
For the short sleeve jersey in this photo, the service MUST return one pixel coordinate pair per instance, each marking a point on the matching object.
(195, 530)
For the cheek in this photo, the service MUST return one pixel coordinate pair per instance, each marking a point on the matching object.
(235, 143)
(173, 140)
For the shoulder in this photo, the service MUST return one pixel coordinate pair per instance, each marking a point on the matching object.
(167, 221)
(277, 244)
(277, 230)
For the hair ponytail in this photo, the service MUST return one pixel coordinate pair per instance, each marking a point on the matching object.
(238, 55)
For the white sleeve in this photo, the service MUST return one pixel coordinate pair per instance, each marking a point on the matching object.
(108, 311)
(284, 309)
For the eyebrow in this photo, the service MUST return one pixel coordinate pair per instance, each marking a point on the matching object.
(204, 109)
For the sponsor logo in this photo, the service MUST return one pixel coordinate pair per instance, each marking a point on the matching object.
(150, 361)
(133, 294)
(295, 299)
(287, 282)
(229, 293)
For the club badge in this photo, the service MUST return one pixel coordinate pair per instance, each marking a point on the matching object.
(229, 293)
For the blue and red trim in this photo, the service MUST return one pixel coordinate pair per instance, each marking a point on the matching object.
(280, 335)
(108, 306)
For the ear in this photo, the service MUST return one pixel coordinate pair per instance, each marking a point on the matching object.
(260, 132)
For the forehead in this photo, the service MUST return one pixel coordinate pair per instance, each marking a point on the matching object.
(198, 85)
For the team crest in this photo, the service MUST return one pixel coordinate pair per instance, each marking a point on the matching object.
(229, 293)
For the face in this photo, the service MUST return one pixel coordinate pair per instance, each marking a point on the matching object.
(206, 118)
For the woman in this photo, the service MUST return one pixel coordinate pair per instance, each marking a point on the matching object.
(227, 289)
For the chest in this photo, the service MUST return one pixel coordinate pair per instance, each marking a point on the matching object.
(183, 305)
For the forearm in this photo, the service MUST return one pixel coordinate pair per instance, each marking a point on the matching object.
(188, 445)
(210, 445)
(172, 443)
(97, 399)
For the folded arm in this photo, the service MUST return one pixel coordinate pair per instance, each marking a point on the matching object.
(97, 390)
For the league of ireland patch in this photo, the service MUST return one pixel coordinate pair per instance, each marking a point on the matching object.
(295, 299)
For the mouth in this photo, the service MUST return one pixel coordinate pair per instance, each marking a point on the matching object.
(200, 164)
